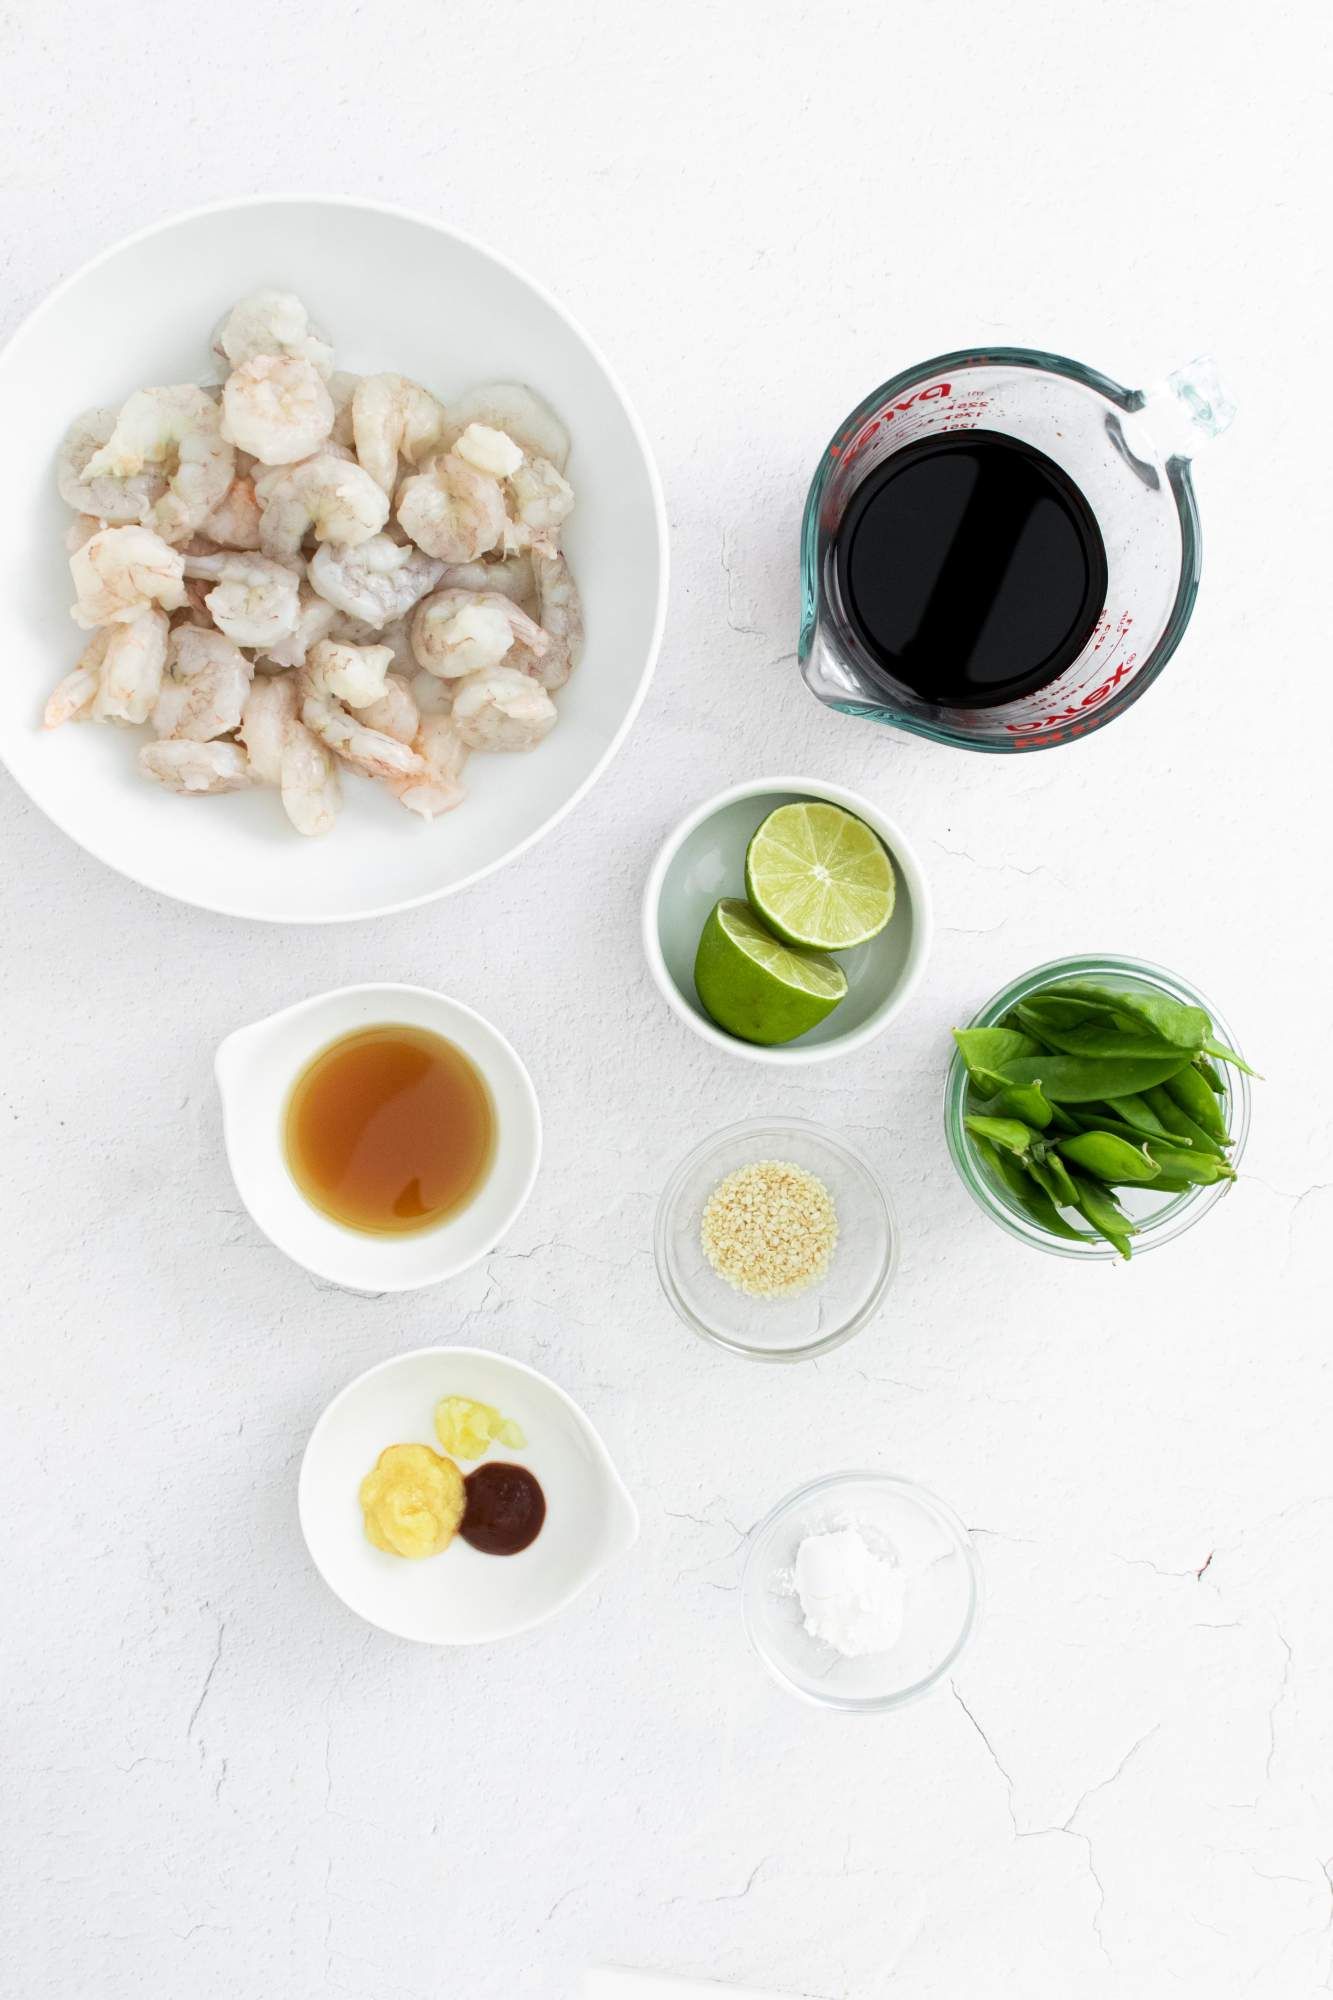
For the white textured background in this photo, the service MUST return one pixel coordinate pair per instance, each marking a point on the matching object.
(216, 1782)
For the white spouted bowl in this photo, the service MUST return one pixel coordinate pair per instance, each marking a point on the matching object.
(461, 1597)
(392, 291)
(256, 1068)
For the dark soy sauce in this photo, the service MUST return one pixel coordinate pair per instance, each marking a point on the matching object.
(971, 568)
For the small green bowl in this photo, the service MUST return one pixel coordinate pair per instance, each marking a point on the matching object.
(1160, 1218)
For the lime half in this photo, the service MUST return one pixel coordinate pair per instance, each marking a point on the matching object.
(818, 876)
(757, 988)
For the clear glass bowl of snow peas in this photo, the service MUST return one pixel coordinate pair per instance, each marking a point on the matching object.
(1118, 1051)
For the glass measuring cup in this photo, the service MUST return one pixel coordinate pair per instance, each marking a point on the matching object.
(1127, 450)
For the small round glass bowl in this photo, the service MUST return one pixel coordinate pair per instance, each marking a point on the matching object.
(810, 1322)
(942, 1596)
(1160, 1218)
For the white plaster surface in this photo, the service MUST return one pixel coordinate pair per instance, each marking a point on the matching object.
(217, 1785)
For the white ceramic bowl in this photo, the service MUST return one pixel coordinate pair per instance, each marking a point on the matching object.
(461, 1597)
(392, 291)
(256, 1068)
(703, 858)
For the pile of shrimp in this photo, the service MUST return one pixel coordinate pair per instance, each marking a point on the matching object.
(297, 571)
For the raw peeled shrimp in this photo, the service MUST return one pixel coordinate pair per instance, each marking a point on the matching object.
(206, 685)
(443, 754)
(502, 709)
(120, 570)
(271, 711)
(71, 699)
(342, 388)
(377, 581)
(519, 412)
(131, 673)
(353, 675)
(250, 561)
(457, 632)
(356, 632)
(395, 713)
(311, 786)
(178, 428)
(392, 418)
(234, 522)
(369, 751)
(315, 619)
(540, 501)
(512, 577)
(269, 322)
(330, 493)
(255, 600)
(282, 752)
(453, 511)
(431, 695)
(489, 450)
(560, 615)
(80, 530)
(277, 408)
(185, 767)
(109, 499)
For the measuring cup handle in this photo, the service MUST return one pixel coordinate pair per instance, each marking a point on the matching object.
(1188, 408)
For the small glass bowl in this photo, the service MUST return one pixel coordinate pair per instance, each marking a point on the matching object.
(1160, 1218)
(941, 1605)
(810, 1322)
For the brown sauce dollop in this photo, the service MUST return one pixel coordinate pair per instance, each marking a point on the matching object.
(505, 1509)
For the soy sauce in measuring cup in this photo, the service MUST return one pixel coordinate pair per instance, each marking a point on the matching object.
(970, 568)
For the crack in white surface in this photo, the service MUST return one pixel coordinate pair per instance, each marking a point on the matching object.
(1277, 1702)
(208, 1681)
(988, 867)
(727, 1895)
(579, 1889)
(990, 1752)
(1066, 1826)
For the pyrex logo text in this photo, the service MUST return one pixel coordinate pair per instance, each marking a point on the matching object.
(931, 395)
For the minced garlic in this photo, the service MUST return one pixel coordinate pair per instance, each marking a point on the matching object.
(769, 1229)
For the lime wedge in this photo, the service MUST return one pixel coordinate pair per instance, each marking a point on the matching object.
(755, 987)
(818, 876)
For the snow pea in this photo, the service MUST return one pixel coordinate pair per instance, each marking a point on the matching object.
(1052, 1176)
(1058, 1007)
(1109, 1158)
(1086, 1079)
(1110, 1038)
(1104, 1212)
(1136, 1111)
(984, 1049)
(1011, 1133)
(1023, 1101)
(1190, 1092)
(1034, 1203)
(1198, 1169)
(1211, 1074)
(1185, 1027)
(1179, 1123)
(1099, 1120)
(1226, 1055)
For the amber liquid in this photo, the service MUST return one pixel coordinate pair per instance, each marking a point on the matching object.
(390, 1130)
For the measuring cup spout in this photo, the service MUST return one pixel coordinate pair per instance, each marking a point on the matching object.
(1187, 409)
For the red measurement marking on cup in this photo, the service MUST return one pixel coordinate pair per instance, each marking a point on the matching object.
(1070, 720)
(850, 447)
